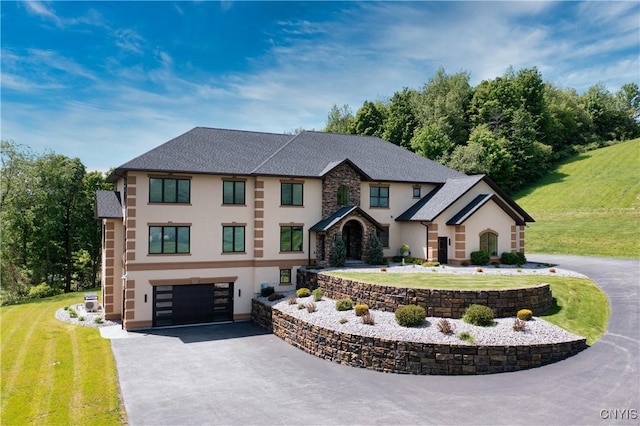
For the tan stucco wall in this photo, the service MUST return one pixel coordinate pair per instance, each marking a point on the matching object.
(500, 223)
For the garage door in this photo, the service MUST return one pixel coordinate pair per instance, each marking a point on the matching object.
(192, 304)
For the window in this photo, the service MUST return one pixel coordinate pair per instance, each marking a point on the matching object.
(416, 192)
(233, 192)
(285, 276)
(379, 196)
(233, 239)
(290, 238)
(489, 243)
(291, 194)
(343, 195)
(165, 190)
(383, 236)
(169, 239)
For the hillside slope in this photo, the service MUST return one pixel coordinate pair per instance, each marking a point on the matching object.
(589, 206)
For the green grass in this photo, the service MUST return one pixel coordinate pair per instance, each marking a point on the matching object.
(589, 206)
(580, 307)
(53, 372)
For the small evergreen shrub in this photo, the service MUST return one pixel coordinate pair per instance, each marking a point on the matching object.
(466, 336)
(410, 315)
(521, 258)
(519, 325)
(303, 292)
(445, 327)
(275, 296)
(267, 291)
(66, 308)
(480, 257)
(300, 306)
(43, 290)
(98, 320)
(73, 313)
(478, 315)
(524, 314)
(509, 258)
(317, 294)
(344, 304)
(343, 320)
(338, 253)
(375, 255)
(361, 309)
(311, 307)
(81, 318)
(368, 319)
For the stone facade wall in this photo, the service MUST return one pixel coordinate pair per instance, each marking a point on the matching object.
(438, 303)
(341, 175)
(261, 314)
(409, 357)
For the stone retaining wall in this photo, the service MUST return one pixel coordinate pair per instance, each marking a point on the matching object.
(408, 357)
(438, 303)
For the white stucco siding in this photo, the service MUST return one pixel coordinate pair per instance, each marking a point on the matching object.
(412, 233)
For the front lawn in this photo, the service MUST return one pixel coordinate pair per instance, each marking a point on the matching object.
(580, 307)
(53, 372)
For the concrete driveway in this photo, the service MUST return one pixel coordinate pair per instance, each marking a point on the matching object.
(237, 374)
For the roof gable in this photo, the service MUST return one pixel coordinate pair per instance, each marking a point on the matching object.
(108, 205)
(327, 223)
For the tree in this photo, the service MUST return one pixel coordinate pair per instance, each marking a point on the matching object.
(401, 119)
(339, 120)
(432, 142)
(338, 253)
(369, 120)
(375, 254)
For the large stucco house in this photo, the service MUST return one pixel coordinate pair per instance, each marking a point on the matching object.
(197, 225)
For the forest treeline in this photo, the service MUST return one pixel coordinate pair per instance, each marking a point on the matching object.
(513, 128)
(50, 240)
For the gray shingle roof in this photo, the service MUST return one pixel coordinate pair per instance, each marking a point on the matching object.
(108, 205)
(468, 210)
(326, 223)
(437, 201)
(308, 154)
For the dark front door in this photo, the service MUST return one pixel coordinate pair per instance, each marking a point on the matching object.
(352, 236)
(443, 246)
(192, 304)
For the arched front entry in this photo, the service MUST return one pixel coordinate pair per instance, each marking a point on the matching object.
(352, 235)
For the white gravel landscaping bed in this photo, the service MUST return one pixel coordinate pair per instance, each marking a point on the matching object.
(89, 317)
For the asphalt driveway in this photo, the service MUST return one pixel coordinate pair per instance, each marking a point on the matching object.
(238, 374)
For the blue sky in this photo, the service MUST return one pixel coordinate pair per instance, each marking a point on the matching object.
(107, 81)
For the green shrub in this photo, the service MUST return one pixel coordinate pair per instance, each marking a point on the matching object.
(375, 255)
(410, 315)
(275, 296)
(343, 320)
(81, 318)
(361, 309)
(73, 313)
(267, 291)
(480, 257)
(43, 290)
(524, 314)
(303, 292)
(317, 294)
(478, 315)
(98, 320)
(338, 253)
(344, 304)
(509, 258)
(300, 306)
(521, 258)
(466, 336)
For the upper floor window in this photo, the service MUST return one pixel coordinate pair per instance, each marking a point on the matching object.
(169, 239)
(233, 192)
(489, 243)
(343, 195)
(291, 194)
(379, 196)
(290, 238)
(169, 190)
(416, 192)
(233, 239)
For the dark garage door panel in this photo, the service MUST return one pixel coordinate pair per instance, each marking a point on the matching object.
(193, 304)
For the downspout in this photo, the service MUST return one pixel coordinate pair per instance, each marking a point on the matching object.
(427, 240)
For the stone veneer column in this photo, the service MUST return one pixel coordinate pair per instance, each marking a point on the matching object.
(258, 229)
(341, 175)
(432, 240)
(521, 239)
(130, 250)
(108, 282)
(514, 238)
(461, 243)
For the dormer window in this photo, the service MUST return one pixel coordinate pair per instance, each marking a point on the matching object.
(343, 195)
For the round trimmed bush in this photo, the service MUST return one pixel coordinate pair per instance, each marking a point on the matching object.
(478, 315)
(480, 257)
(524, 314)
(362, 309)
(410, 315)
(344, 304)
(303, 292)
(317, 294)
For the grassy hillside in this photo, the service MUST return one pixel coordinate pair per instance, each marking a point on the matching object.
(54, 373)
(589, 206)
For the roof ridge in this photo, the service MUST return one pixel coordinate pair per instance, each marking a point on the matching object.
(240, 131)
(274, 153)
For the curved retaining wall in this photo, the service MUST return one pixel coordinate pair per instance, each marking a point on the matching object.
(438, 303)
(408, 357)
